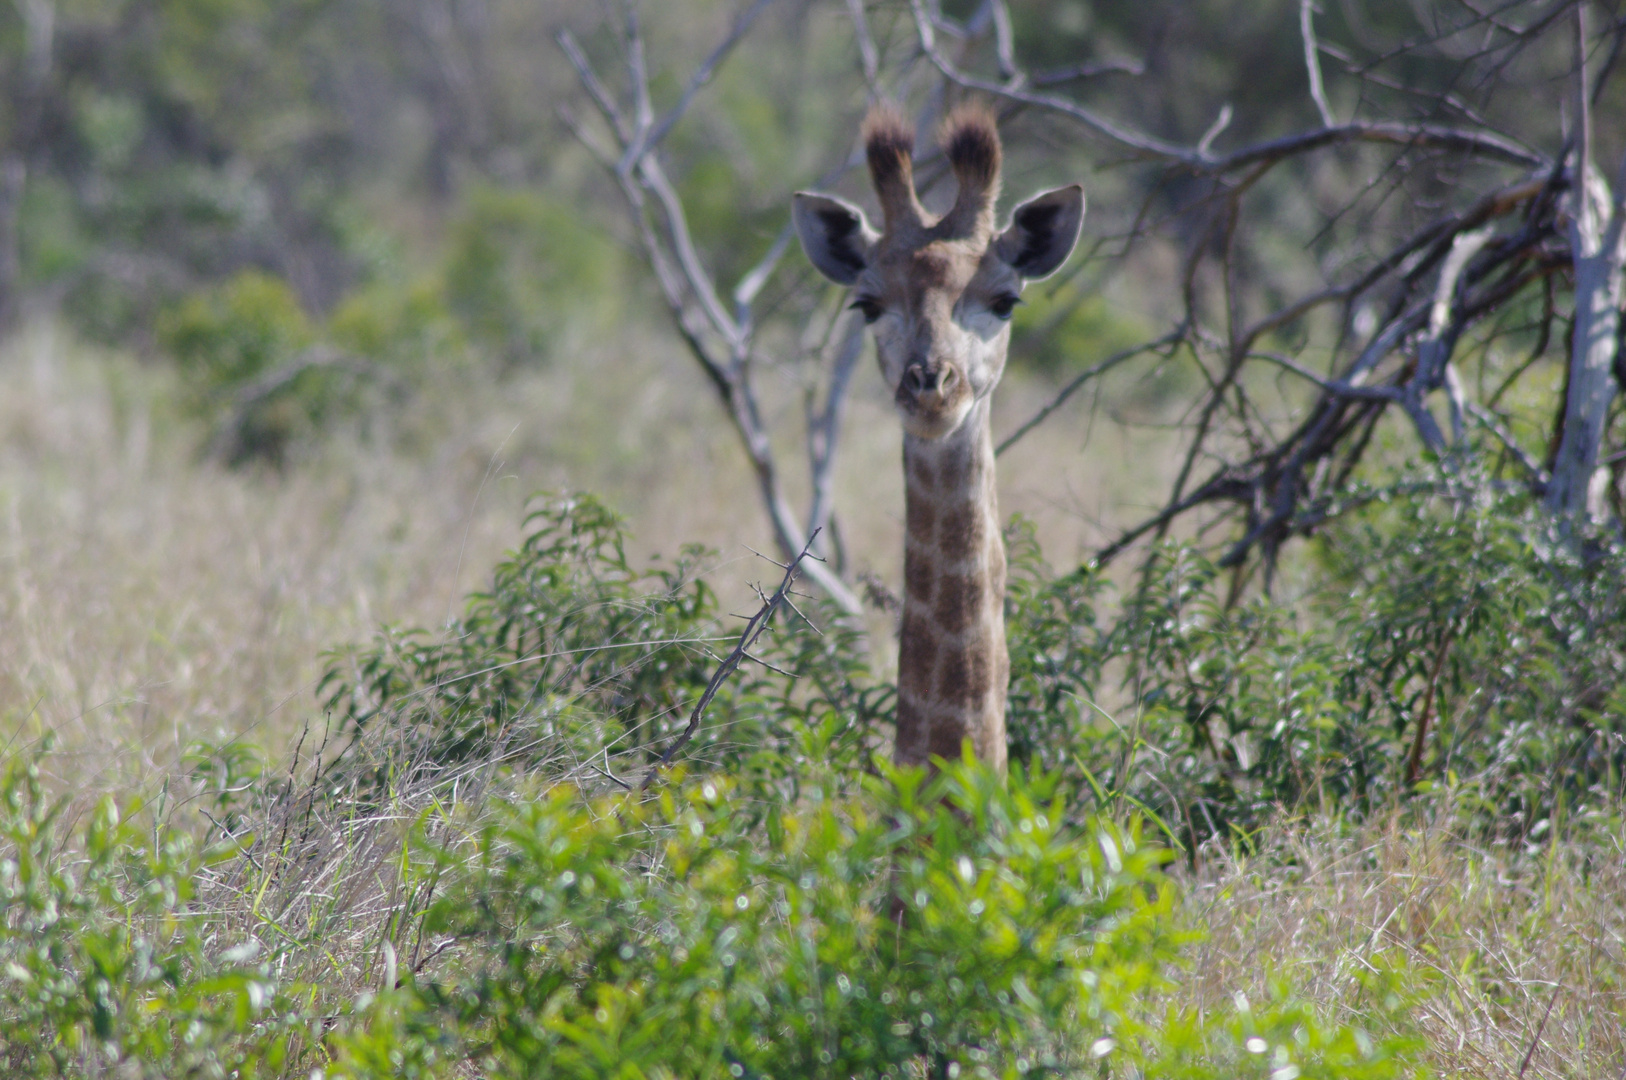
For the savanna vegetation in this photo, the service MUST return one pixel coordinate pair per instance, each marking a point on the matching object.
(405, 406)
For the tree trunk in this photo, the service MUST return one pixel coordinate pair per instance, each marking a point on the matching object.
(39, 32)
(13, 172)
(1599, 242)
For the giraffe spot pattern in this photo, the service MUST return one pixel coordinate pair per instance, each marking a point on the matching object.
(962, 528)
(959, 602)
(965, 677)
(917, 578)
(947, 734)
(917, 656)
(922, 522)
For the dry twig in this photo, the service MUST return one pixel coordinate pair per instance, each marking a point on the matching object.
(754, 629)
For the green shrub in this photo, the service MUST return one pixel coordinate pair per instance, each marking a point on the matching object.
(522, 269)
(572, 655)
(1446, 604)
(796, 907)
(106, 967)
(267, 378)
(405, 326)
(959, 928)
(1057, 645)
(1443, 603)
(224, 336)
(233, 343)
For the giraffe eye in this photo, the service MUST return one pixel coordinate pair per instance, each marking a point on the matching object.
(1003, 305)
(870, 306)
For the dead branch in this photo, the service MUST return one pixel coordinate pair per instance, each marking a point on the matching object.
(1312, 62)
(754, 629)
(721, 342)
(1598, 251)
(1416, 136)
(1167, 341)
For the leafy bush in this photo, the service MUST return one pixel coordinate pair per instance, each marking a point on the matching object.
(523, 268)
(225, 336)
(245, 349)
(1449, 641)
(1443, 608)
(406, 327)
(1057, 646)
(1446, 607)
(105, 965)
(573, 655)
(800, 908)
(957, 927)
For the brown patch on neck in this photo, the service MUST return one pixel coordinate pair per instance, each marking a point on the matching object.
(958, 601)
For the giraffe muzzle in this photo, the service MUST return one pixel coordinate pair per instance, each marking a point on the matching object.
(923, 380)
(932, 398)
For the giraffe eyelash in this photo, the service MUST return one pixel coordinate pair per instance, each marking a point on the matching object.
(1003, 306)
(869, 306)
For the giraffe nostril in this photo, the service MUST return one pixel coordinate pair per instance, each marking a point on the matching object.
(915, 378)
(945, 379)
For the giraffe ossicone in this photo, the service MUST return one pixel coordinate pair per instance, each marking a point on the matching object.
(938, 291)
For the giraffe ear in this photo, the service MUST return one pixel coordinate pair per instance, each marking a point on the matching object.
(1043, 231)
(834, 234)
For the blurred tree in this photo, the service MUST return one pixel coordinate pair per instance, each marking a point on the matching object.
(28, 70)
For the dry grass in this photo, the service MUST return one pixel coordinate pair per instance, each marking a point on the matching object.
(150, 601)
(1493, 937)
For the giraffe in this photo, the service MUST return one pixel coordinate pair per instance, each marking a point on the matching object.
(939, 293)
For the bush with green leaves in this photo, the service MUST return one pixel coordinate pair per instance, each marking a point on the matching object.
(227, 335)
(1447, 637)
(572, 655)
(953, 928)
(1442, 607)
(524, 272)
(107, 964)
(255, 367)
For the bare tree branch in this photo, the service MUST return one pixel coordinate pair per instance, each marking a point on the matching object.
(755, 627)
(1312, 62)
(1004, 41)
(702, 75)
(1073, 385)
(721, 342)
(1421, 136)
(1598, 245)
(868, 56)
(1088, 70)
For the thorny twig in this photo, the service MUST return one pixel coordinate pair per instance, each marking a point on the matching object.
(754, 629)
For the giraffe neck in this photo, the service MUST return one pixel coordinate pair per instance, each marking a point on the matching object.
(953, 668)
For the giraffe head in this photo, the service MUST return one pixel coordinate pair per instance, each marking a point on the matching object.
(938, 292)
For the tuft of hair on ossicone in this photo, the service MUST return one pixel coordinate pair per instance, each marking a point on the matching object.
(970, 140)
(889, 146)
